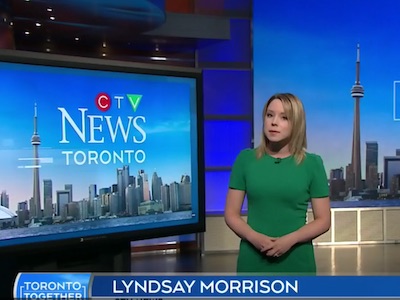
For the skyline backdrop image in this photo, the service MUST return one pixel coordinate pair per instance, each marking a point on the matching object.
(340, 58)
(94, 150)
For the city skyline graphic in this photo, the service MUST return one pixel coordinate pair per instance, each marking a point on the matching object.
(77, 145)
(327, 56)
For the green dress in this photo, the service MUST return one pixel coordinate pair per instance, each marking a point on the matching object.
(278, 193)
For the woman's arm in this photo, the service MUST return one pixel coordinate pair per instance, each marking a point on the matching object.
(322, 221)
(233, 207)
(234, 220)
(320, 224)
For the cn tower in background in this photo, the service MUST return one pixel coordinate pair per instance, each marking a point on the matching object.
(35, 141)
(357, 92)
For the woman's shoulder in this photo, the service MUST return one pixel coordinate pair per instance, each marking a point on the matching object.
(313, 159)
(247, 154)
(244, 159)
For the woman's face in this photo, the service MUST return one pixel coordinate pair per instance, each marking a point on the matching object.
(277, 126)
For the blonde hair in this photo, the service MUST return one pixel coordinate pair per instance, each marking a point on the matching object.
(294, 110)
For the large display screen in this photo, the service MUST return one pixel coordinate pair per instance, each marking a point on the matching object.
(94, 148)
(341, 60)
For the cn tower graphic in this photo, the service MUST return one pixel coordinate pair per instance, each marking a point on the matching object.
(357, 92)
(35, 141)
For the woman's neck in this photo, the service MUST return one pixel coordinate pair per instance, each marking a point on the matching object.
(278, 150)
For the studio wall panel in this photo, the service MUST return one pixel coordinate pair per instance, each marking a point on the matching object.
(238, 7)
(371, 226)
(216, 189)
(393, 224)
(228, 92)
(224, 139)
(232, 8)
(234, 52)
(219, 236)
(345, 226)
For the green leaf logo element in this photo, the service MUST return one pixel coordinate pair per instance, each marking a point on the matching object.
(134, 100)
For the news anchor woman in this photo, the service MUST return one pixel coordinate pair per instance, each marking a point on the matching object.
(279, 178)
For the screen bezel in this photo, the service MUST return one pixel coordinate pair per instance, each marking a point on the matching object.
(77, 62)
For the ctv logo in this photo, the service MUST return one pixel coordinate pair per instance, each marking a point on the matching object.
(103, 101)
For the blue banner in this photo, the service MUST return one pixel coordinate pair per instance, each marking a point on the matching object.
(244, 286)
(95, 286)
(52, 286)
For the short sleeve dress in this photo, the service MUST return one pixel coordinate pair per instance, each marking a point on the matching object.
(278, 193)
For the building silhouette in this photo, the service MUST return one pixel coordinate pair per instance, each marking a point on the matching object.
(83, 209)
(92, 195)
(371, 165)
(22, 213)
(349, 182)
(48, 197)
(132, 203)
(5, 199)
(165, 197)
(156, 183)
(114, 203)
(357, 92)
(68, 187)
(394, 185)
(123, 178)
(391, 170)
(185, 196)
(174, 196)
(125, 182)
(35, 141)
(143, 184)
(62, 198)
(336, 184)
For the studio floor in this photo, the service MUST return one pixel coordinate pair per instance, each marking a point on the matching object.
(378, 259)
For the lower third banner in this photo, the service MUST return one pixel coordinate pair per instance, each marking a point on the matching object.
(244, 286)
(119, 286)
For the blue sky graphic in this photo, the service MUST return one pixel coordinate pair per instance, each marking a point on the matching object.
(165, 104)
(309, 48)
